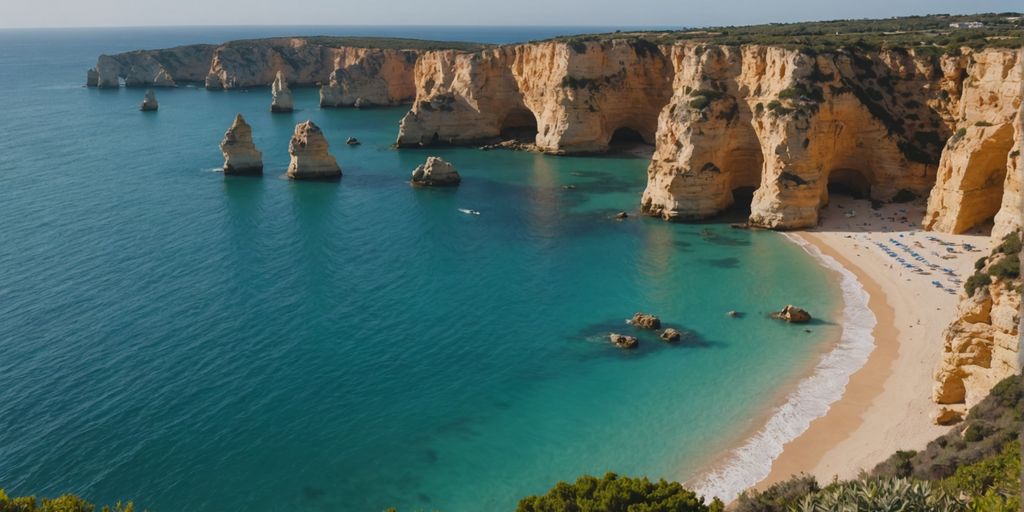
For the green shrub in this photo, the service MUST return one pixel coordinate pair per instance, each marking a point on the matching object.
(1008, 267)
(885, 495)
(983, 123)
(980, 264)
(958, 135)
(778, 497)
(976, 281)
(775, 107)
(1011, 244)
(617, 494)
(993, 483)
(65, 503)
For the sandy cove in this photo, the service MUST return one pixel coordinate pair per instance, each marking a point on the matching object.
(887, 403)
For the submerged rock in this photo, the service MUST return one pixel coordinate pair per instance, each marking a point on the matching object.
(282, 95)
(671, 334)
(435, 173)
(645, 321)
(623, 341)
(621, 216)
(311, 159)
(793, 315)
(352, 141)
(240, 154)
(149, 103)
(734, 314)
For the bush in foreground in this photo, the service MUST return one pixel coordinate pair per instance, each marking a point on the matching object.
(65, 503)
(618, 494)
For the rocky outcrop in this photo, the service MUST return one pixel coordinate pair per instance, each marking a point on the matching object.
(670, 335)
(149, 103)
(982, 345)
(567, 97)
(979, 177)
(240, 153)
(793, 315)
(645, 321)
(376, 79)
(281, 95)
(311, 158)
(351, 70)
(623, 341)
(436, 172)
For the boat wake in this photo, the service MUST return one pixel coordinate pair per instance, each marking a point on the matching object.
(747, 465)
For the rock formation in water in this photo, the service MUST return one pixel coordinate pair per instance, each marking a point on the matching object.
(670, 334)
(281, 95)
(982, 345)
(623, 341)
(311, 159)
(566, 97)
(645, 321)
(240, 154)
(793, 315)
(436, 172)
(149, 102)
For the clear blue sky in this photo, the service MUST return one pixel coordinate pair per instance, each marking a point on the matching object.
(78, 13)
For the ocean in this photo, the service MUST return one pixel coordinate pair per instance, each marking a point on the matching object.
(198, 342)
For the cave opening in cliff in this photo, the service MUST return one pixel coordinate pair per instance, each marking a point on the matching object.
(626, 137)
(742, 197)
(849, 182)
(519, 125)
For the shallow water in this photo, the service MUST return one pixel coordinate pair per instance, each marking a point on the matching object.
(200, 342)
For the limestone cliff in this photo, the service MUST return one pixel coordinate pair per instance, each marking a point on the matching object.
(979, 176)
(349, 69)
(567, 97)
(982, 345)
(790, 124)
(374, 79)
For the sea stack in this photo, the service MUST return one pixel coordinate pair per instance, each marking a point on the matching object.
(149, 103)
(240, 154)
(435, 173)
(310, 157)
(282, 101)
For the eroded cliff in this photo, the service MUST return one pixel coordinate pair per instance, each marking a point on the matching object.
(369, 71)
(566, 97)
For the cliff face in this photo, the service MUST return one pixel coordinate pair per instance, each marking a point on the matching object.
(978, 178)
(791, 125)
(565, 97)
(379, 76)
(982, 345)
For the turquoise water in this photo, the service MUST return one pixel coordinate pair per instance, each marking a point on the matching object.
(203, 343)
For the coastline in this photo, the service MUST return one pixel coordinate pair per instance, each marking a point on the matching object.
(868, 395)
(886, 405)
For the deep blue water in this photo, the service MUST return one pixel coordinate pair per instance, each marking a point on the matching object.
(203, 343)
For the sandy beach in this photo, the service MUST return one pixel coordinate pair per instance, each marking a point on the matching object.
(886, 405)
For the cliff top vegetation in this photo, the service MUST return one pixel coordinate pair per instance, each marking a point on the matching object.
(385, 43)
(1002, 30)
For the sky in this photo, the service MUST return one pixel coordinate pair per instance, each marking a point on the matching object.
(607, 13)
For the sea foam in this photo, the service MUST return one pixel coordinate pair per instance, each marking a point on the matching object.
(750, 463)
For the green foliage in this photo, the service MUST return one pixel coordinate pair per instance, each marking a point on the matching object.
(386, 43)
(993, 482)
(958, 135)
(778, 497)
(699, 103)
(65, 503)
(801, 92)
(1008, 267)
(881, 495)
(776, 107)
(1011, 244)
(983, 123)
(980, 264)
(617, 494)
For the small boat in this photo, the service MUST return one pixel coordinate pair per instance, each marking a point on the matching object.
(467, 211)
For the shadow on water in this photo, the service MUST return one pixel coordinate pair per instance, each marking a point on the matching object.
(722, 262)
